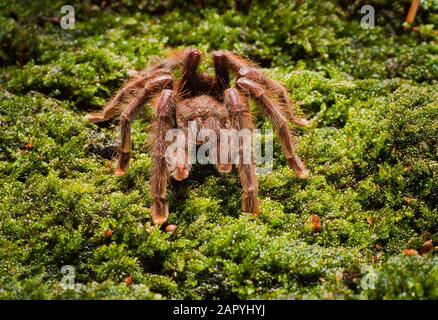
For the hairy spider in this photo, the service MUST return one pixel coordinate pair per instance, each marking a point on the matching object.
(212, 103)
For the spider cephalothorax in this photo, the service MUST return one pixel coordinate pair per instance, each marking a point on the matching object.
(209, 102)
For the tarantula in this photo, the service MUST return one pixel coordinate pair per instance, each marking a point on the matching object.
(212, 103)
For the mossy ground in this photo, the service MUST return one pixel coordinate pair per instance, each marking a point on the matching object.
(372, 149)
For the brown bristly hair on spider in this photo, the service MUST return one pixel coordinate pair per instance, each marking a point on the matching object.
(212, 103)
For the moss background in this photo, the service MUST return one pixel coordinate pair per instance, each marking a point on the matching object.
(372, 149)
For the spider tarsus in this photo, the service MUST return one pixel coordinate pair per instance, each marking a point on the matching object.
(300, 121)
(192, 59)
(193, 52)
(122, 164)
(224, 168)
(181, 173)
(298, 167)
(160, 211)
(119, 172)
(94, 117)
(222, 74)
(250, 203)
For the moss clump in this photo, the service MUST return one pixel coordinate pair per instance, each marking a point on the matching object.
(371, 148)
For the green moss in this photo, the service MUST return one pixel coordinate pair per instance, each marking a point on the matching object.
(371, 148)
(405, 278)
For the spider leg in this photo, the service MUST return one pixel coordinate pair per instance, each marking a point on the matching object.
(278, 120)
(184, 59)
(122, 99)
(240, 118)
(165, 109)
(222, 79)
(233, 61)
(273, 86)
(245, 68)
(221, 153)
(189, 75)
(192, 82)
(152, 86)
(175, 60)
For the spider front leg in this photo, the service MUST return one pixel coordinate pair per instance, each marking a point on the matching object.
(124, 97)
(240, 118)
(245, 68)
(188, 59)
(279, 122)
(128, 116)
(222, 80)
(273, 86)
(165, 109)
(189, 75)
